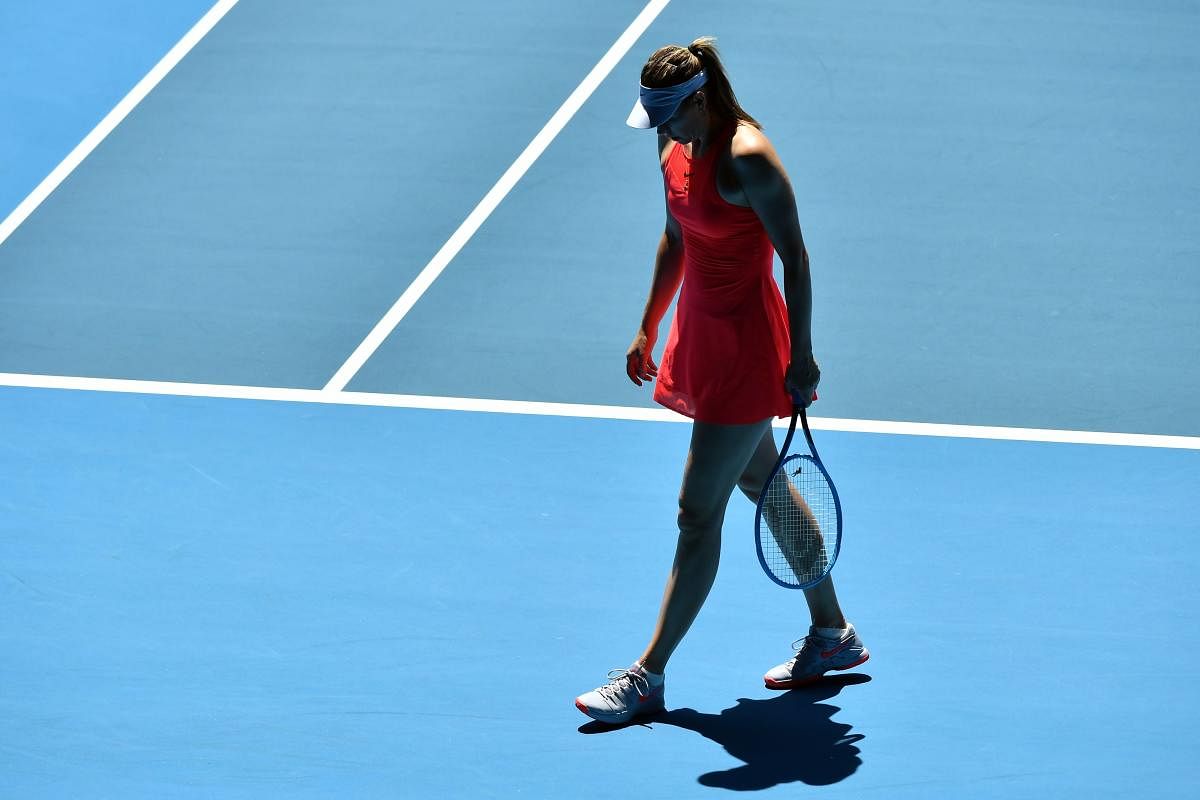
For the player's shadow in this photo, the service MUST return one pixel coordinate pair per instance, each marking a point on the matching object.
(788, 738)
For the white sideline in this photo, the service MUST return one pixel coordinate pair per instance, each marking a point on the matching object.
(114, 118)
(493, 198)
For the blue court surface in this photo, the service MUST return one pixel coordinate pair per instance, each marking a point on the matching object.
(322, 477)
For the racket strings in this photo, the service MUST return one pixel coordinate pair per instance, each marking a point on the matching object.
(800, 513)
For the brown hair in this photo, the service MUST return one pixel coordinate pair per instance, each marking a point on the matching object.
(674, 64)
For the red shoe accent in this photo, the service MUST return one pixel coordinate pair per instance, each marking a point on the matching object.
(866, 655)
(793, 684)
(842, 646)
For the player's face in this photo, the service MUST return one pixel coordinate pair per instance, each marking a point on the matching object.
(688, 122)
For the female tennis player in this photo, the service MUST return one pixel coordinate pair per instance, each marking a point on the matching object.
(735, 356)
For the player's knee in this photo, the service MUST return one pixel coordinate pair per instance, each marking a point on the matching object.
(698, 519)
(751, 485)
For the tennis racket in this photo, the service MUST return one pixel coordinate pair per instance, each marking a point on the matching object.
(798, 523)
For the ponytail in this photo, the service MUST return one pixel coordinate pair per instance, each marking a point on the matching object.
(674, 64)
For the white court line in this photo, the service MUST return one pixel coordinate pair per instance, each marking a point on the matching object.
(492, 199)
(577, 410)
(114, 118)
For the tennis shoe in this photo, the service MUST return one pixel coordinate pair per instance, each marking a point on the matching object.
(816, 655)
(627, 694)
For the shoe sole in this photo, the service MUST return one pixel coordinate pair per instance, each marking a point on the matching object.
(617, 719)
(792, 684)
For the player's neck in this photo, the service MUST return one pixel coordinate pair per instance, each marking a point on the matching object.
(712, 132)
(711, 129)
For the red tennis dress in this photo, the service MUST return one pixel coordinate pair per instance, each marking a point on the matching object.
(728, 347)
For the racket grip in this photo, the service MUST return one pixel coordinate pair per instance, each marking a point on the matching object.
(796, 398)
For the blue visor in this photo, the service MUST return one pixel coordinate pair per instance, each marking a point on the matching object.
(656, 106)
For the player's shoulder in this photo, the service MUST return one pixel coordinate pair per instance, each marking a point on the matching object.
(749, 142)
(753, 157)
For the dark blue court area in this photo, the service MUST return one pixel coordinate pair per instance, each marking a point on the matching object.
(224, 576)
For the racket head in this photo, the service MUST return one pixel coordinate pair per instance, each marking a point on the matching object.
(798, 523)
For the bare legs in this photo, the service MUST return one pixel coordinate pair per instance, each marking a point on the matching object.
(721, 457)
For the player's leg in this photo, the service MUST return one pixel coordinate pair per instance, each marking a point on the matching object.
(717, 456)
(832, 642)
(822, 600)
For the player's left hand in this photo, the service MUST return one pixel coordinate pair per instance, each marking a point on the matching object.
(801, 380)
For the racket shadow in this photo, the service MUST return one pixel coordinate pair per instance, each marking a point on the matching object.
(788, 738)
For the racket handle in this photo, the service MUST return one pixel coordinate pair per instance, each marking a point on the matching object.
(812, 448)
(798, 412)
(796, 404)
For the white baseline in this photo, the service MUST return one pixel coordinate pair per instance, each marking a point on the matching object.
(578, 410)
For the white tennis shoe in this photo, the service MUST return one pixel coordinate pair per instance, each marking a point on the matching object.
(627, 694)
(816, 655)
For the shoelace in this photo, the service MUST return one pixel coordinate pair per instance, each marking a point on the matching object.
(613, 691)
(799, 645)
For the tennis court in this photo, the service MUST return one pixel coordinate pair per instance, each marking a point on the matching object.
(321, 473)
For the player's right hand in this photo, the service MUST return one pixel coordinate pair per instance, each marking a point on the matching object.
(639, 359)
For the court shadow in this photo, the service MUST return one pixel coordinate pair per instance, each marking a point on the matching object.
(788, 738)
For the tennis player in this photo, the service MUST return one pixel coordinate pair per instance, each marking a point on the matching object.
(735, 356)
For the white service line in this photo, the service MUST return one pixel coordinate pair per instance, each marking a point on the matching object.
(577, 410)
(492, 199)
(114, 118)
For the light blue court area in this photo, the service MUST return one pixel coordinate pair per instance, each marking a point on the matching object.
(259, 211)
(1000, 201)
(239, 598)
(66, 63)
(215, 598)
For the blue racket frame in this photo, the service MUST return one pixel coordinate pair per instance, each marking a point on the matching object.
(784, 459)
